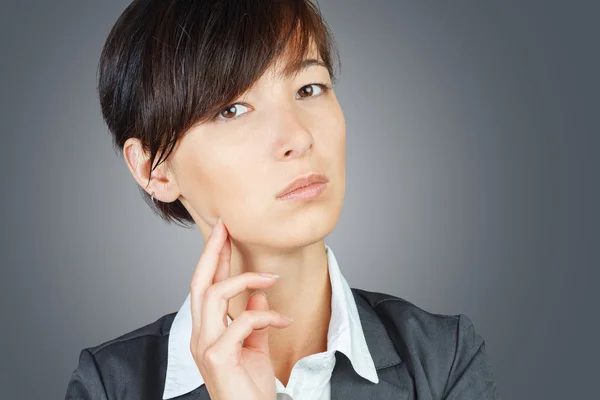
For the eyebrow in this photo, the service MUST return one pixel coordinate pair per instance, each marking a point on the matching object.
(295, 69)
(305, 64)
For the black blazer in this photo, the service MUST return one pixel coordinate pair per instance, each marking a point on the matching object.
(417, 355)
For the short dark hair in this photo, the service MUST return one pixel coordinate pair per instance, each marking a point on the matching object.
(168, 65)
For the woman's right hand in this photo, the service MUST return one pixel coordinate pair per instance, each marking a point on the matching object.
(231, 369)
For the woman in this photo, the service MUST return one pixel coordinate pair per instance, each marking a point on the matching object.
(225, 114)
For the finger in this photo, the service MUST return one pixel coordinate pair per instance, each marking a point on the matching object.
(259, 338)
(223, 269)
(216, 298)
(204, 273)
(230, 342)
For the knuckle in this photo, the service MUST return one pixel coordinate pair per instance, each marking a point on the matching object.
(195, 346)
(211, 291)
(249, 274)
(247, 316)
(210, 357)
(256, 316)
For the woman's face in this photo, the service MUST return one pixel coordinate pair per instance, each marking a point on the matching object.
(235, 166)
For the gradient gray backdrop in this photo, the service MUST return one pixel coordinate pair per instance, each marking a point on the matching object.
(471, 185)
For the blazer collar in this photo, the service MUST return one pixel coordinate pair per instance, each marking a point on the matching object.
(345, 384)
(366, 346)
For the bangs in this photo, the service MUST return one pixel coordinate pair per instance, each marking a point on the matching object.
(226, 54)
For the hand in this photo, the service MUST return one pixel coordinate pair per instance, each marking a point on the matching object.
(231, 369)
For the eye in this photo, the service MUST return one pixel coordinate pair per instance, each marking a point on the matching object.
(232, 112)
(308, 91)
(236, 110)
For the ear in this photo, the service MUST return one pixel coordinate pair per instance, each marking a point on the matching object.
(162, 183)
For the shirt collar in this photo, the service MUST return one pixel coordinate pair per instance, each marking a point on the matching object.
(345, 335)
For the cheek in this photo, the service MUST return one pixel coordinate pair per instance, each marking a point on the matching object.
(338, 153)
(333, 122)
(212, 180)
(330, 140)
(247, 211)
(241, 194)
(226, 181)
(333, 140)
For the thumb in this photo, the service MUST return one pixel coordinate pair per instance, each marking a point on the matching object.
(259, 338)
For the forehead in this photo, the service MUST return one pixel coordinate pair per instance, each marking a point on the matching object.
(292, 63)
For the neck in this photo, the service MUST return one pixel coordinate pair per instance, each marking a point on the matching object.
(303, 292)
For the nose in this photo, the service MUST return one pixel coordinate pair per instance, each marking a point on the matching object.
(294, 137)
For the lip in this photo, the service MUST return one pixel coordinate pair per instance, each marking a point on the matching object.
(312, 185)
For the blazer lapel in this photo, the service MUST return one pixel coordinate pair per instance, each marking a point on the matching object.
(348, 385)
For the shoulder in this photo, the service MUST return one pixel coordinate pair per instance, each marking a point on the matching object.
(417, 325)
(133, 362)
(445, 349)
(129, 350)
(152, 332)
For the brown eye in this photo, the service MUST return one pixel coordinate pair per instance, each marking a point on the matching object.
(306, 91)
(309, 91)
(231, 111)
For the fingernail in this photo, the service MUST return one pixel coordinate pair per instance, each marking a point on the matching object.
(288, 318)
(269, 275)
(258, 291)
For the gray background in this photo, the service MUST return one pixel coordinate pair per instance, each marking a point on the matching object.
(480, 118)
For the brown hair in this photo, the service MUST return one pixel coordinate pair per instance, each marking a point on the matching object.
(168, 65)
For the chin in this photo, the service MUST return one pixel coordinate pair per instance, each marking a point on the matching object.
(304, 227)
(293, 227)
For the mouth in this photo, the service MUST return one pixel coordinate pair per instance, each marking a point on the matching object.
(304, 187)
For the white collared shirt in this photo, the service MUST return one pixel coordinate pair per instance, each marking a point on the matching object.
(310, 376)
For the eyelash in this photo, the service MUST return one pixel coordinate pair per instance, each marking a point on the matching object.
(325, 88)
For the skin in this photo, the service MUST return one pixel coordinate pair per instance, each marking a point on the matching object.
(234, 169)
